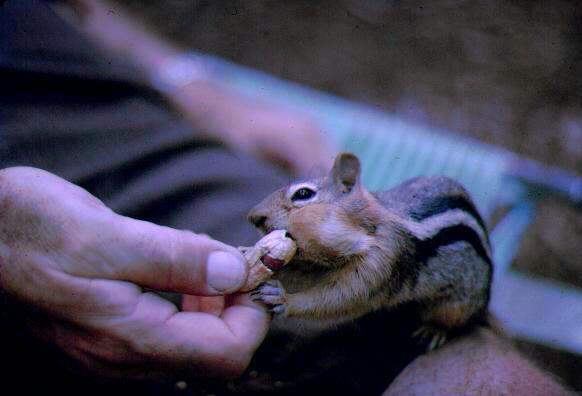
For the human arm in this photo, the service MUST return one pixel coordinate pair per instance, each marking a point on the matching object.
(76, 271)
(290, 139)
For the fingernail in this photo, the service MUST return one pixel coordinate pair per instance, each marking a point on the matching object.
(226, 272)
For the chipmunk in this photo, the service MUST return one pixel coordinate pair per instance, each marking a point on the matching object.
(359, 251)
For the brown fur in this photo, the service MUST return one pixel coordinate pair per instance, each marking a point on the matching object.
(450, 314)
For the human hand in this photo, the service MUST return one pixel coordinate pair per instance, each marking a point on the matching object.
(75, 269)
(289, 140)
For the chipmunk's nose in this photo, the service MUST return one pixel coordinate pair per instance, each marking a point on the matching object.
(258, 218)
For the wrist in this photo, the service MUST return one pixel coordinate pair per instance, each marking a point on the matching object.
(179, 70)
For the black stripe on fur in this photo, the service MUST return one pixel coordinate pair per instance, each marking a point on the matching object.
(429, 247)
(445, 203)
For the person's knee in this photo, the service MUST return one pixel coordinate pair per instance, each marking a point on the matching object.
(480, 363)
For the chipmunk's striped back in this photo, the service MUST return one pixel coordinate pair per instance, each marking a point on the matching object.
(442, 213)
(449, 265)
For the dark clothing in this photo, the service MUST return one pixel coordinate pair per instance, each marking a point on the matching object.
(72, 110)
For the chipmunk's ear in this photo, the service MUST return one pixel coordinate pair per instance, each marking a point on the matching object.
(346, 172)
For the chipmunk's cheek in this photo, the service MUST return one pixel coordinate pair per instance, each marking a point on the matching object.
(304, 226)
(326, 231)
(300, 233)
(317, 229)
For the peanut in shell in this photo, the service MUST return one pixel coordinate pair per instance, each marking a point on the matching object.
(274, 250)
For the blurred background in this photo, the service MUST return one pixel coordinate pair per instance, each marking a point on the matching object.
(504, 72)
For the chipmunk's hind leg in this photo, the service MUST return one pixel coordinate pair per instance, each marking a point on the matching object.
(443, 319)
(431, 337)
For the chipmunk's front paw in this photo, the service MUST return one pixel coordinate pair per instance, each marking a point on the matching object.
(273, 295)
(432, 337)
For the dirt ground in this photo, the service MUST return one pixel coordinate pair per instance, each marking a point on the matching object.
(506, 72)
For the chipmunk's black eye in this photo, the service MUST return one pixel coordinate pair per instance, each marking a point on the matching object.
(303, 194)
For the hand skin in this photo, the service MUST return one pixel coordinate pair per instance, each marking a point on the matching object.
(481, 363)
(290, 140)
(76, 270)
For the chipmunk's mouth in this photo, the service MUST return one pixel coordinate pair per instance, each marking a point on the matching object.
(268, 230)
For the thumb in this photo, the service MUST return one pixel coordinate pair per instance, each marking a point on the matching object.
(166, 259)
